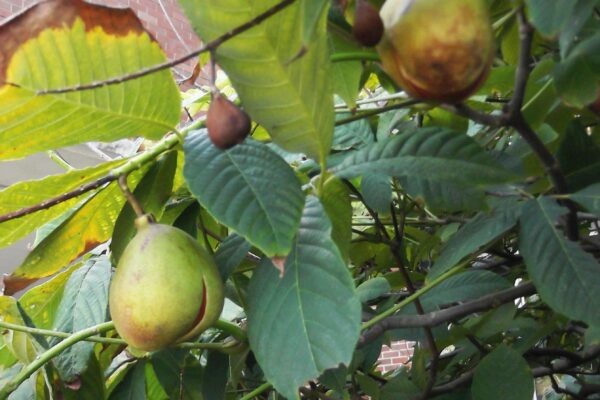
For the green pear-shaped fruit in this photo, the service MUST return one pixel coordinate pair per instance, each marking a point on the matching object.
(439, 50)
(166, 288)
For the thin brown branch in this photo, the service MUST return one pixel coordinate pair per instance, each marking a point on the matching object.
(59, 199)
(210, 46)
(435, 318)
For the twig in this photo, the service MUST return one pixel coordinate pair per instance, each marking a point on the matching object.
(396, 246)
(376, 111)
(210, 46)
(259, 390)
(131, 199)
(435, 318)
(49, 354)
(134, 163)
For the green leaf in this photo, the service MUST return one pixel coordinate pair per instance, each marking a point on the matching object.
(152, 192)
(356, 134)
(276, 87)
(310, 317)
(133, 387)
(345, 74)
(179, 380)
(41, 302)
(502, 372)
(579, 157)
(91, 225)
(314, 10)
(577, 78)
(565, 276)
(215, 375)
(431, 153)
(230, 254)
(336, 201)
(92, 384)
(372, 288)
(444, 196)
(29, 193)
(75, 43)
(248, 188)
(20, 344)
(549, 18)
(153, 389)
(376, 190)
(400, 387)
(476, 233)
(84, 304)
(589, 198)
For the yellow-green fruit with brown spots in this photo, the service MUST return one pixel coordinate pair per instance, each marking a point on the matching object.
(166, 288)
(440, 50)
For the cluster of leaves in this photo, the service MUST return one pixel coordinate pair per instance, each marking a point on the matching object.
(336, 227)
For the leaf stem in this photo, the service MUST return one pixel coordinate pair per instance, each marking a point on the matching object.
(232, 329)
(259, 390)
(355, 56)
(49, 354)
(412, 297)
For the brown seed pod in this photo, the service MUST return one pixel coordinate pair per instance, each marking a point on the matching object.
(227, 124)
(368, 26)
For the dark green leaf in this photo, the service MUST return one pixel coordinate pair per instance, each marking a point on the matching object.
(310, 317)
(372, 288)
(589, 198)
(215, 375)
(84, 304)
(353, 135)
(502, 372)
(133, 387)
(336, 201)
(549, 18)
(444, 196)
(566, 277)
(377, 192)
(248, 188)
(432, 153)
(400, 387)
(476, 233)
(579, 157)
(230, 254)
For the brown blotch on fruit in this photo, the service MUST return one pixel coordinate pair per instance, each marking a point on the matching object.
(437, 50)
(227, 124)
(368, 26)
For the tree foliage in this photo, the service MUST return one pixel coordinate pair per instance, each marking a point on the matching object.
(352, 217)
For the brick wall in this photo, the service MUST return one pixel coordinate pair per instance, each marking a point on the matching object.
(171, 28)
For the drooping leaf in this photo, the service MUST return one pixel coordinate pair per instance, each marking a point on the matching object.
(336, 201)
(179, 381)
(90, 384)
(577, 78)
(345, 74)
(20, 344)
(502, 372)
(579, 157)
(230, 254)
(444, 196)
(310, 317)
(133, 387)
(41, 302)
(477, 232)
(376, 190)
(565, 276)
(248, 188)
(352, 135)
(29, 193)
(63, 43)
(91, 225)
(276, 87)
(589, 198)
(84, 304)
(372, 288)
(152, 192)
(431, 153)
(215, 375)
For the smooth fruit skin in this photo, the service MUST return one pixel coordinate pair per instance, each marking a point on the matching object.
(368, 26)
(440, 50)
(227, 124)
(162, 288)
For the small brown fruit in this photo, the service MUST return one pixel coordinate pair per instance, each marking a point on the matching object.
(227, 124)
(439, 50)
(368, 26)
